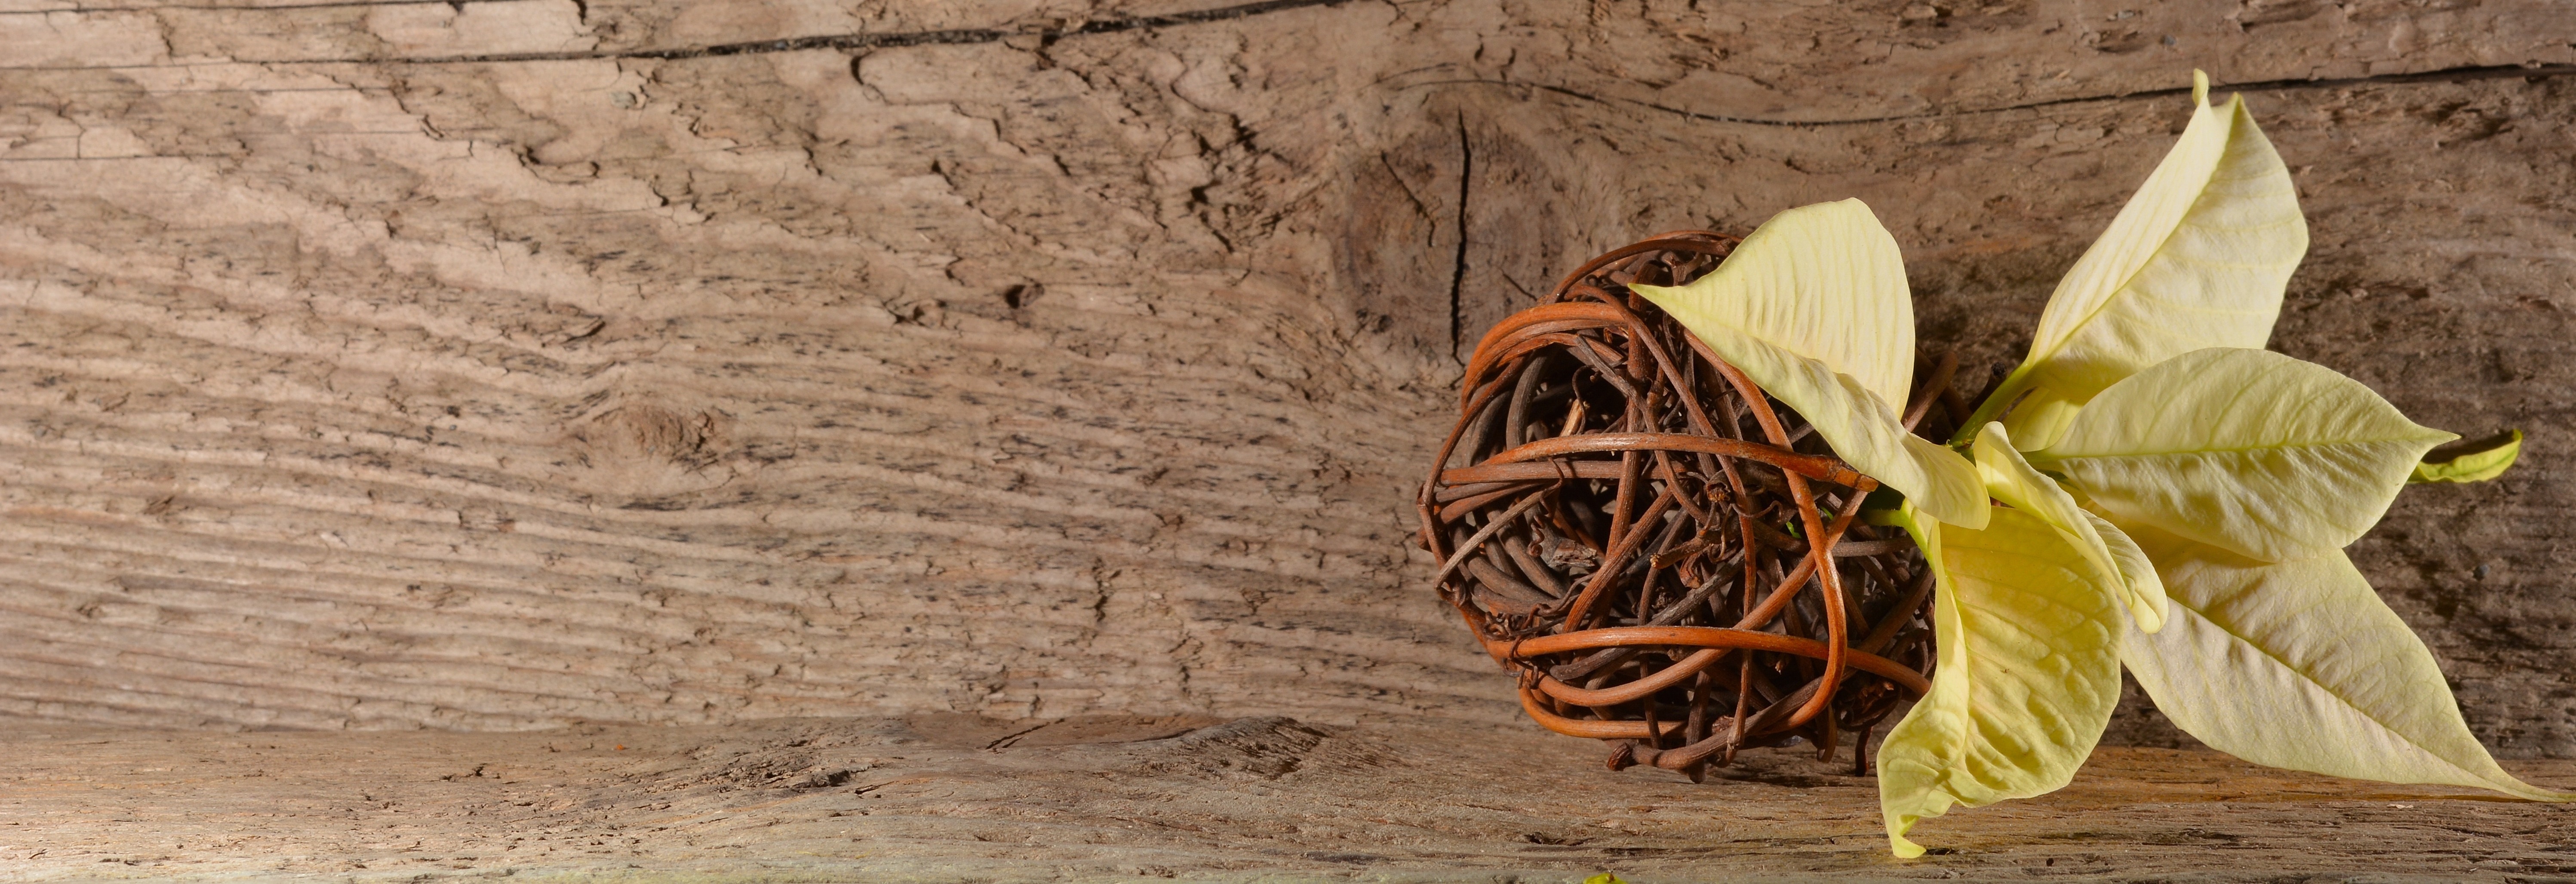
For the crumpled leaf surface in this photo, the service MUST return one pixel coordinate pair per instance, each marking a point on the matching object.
(2010, 479)
(2247, 450)
(2299, 665)
(2197, 258)
(2028, 672)
(1813, 307)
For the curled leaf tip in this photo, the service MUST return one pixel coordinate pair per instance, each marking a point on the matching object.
(2199, 87)
(2475, 466)
(1897, 844)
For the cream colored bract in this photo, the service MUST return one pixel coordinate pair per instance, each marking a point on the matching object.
(2264, 658)
(2246, 449)
(2182, 506)
(2196, 259)
(1813, 307)
(2116, 561)
(2029, 669)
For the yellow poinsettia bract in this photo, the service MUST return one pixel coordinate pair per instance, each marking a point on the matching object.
(2028, 638)
(2147, 488)
(1813, 307)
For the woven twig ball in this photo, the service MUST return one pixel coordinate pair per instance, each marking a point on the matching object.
(1668, 558)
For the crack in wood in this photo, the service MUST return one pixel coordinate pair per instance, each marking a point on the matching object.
(1014, 736)
(281, 7)
(2443, 75)
(1458, 271)
(846, 42)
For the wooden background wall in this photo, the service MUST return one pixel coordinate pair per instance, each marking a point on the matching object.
(498, 365)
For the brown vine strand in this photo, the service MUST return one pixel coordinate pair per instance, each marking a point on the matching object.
(1670, 558)
(1706, 637)
(1817, 467)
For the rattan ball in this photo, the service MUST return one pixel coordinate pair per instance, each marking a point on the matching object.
(1667, 558)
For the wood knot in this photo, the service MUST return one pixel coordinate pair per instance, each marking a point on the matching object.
(651, 433)
(653, 454)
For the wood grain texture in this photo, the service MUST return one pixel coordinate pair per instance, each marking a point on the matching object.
(1124, 798)
(514, 364)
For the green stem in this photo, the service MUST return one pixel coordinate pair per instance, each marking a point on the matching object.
(1992, 408)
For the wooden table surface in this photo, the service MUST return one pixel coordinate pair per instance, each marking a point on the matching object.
(527, 365)
(503, 365)
(956, 798)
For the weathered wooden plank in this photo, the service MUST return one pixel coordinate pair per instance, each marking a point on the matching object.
(344, 383)
(961, 798)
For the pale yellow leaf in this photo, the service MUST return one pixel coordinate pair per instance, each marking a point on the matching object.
(2198, 258)
(2028, 645)
(2146, 587)
(2248, 450)
(1813, 307)
(2010, 479)
(1824, 282)
(2300, 665)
